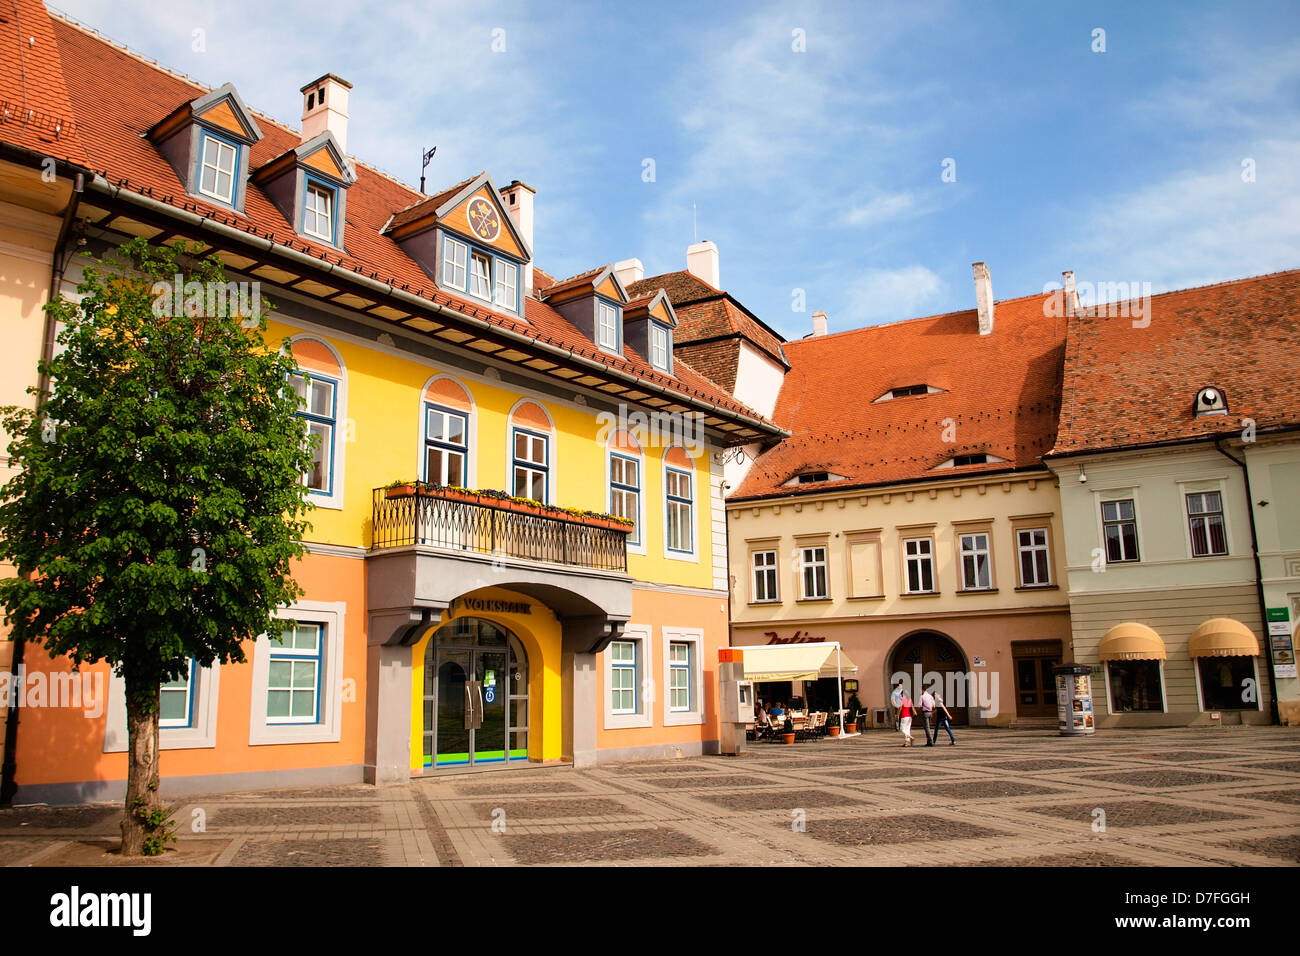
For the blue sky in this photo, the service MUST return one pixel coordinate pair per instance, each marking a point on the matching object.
(817, 169)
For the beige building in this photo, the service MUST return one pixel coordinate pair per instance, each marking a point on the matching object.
(909, 516)
(1178, 480)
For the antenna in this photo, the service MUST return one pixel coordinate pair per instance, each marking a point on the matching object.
(428, 155)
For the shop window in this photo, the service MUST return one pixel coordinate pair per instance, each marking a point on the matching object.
(1135, 686)
(1228, 683)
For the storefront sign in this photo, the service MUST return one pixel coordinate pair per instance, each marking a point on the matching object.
(800, 637)
(1279, 634)
(498, 607)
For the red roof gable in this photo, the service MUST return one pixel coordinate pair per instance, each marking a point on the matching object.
(999, 396)
(116, 96)
(1131, 384)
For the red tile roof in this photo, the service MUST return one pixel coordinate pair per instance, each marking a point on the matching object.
(705, 313)
(426, 206)
(35, 112)
(1000, 396)
(1128, 385)
(116, 96)
(582, 278)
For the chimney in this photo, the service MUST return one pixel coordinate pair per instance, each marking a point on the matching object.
(518, 199)
(984, 297)
(629, 271)
(702, 262)
(325, 107)
(819, 323)
(1071, 293)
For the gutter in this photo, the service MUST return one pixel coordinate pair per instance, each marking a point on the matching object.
(9, 766)
(101, 185)
(1259, 579)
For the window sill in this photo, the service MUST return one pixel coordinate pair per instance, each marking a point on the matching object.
(977, 591)
(765, 603)
(813, 600)
(1039, 587)
(627, 721)
(866, 597)
(682, 719)
(922, 594)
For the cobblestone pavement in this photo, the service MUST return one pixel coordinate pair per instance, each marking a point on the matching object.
(1209, 797)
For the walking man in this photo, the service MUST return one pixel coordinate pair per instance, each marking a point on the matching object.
(896, 701)
(905, 717)
(927, 714)
(944, 719)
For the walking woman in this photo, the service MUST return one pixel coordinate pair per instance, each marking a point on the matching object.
(905, 718)
(944, 719)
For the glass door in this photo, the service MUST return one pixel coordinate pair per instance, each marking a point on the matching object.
(492, 694)
(454, 705)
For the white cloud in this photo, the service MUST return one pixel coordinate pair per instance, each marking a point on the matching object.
(887, 295)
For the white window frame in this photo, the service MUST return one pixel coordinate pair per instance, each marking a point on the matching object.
(693, 637)
(1033, 548)
(455, 254)
(1205, 516)
(191, 678)
(658, 347)
(447, 446)
(807, 564)
(218, 172)
(927, 556)
(531, 466)
(975, 552)
(603, 309)
(1137, 531)
(476, 255)
(502, 287)
(640, 634)
(318, 189)
(769, 570)
(266, 731)
(201, 733)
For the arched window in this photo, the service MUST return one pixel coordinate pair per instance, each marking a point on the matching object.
(321, 384)
(532, 441)
(446, 418)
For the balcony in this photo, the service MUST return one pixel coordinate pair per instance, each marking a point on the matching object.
(453, 520)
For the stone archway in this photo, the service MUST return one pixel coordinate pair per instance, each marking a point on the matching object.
(923, 653)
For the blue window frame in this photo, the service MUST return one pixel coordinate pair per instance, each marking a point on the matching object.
(480, 272)
(625, 492)
(217, 175)
(294, 674)
(319, 395)
(680, 691)
(623, 678)
(446, 446)
(176, 699)
(320, 211)
(681, 509)
(531, 471)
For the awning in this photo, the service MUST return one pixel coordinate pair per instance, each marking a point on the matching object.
(1223, 637)
(1131, 642)
(795, 662)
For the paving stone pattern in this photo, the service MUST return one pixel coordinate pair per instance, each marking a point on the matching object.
(1177, 797)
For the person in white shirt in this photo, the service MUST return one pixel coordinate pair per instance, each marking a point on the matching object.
(927, 714)
(896, 701)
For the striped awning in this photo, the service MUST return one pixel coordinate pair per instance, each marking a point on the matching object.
(1223, 637)
(1131, 641)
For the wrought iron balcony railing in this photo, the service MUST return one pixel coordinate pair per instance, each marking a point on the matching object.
(448, 521)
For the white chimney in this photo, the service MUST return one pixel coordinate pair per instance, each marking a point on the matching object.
(819, 323)
(984, 297)
(629, 271)
(1071, 293)
(518, 198)
(702, 262)
(325, 107)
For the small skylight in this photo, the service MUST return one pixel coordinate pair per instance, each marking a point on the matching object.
(974, 458)
(1211, 401)
(904, 391)
(813, 477)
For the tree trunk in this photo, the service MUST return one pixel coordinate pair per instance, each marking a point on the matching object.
(142, 769)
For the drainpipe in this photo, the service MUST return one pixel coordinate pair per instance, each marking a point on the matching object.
(9, 767)
(1259, 579)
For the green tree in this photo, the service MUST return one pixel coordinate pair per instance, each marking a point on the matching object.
(159, 503)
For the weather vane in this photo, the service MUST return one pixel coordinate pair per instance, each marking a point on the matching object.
(428, 155)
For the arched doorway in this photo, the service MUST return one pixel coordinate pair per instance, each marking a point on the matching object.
(475, 695)
(928, 653)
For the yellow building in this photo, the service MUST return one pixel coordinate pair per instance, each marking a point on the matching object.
(442, 628)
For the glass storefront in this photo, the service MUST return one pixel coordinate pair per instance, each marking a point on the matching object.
(1228, 683)
(1135, 686)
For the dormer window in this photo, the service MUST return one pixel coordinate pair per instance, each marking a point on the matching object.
(220, 160)
(813, 477)
(659, 347)
(507, 291)
(607, 327)
(318, 212)
(1210, 401)
(905, 391)
(974, 458)
(455, 255)
(480, 275)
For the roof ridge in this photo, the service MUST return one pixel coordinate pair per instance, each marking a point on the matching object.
(578, 275)
(1091, 311)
